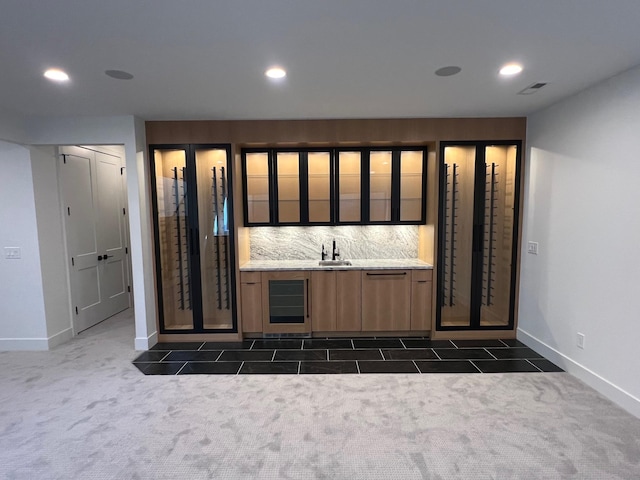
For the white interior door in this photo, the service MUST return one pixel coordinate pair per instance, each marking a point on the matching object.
(91, 189)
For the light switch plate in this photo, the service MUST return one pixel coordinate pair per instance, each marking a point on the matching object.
(12, 253)
(532, 248)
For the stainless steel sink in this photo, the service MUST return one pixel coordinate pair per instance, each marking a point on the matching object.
(334, 263)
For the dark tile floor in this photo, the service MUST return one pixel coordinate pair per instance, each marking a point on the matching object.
(357, 355)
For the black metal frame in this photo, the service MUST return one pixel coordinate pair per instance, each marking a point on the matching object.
(478, 235)
(335, 185)
(194, 251)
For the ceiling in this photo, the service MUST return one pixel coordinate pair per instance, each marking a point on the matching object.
(205, 59)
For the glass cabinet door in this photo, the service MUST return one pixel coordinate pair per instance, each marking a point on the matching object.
(349, 180)
(478, 233)
(173, 238)
(497, 248)
(192, 202)
(411, 185)
(380, 165)
(319, 187)
(288, 187)
(457, 234)
(257, 194)
(213, 227)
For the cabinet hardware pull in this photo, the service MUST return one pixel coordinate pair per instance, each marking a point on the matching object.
(385, 274)
(422, 281)
(308, 298)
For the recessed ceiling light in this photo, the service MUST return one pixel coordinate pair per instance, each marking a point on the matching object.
(56, 75)
(448, 71)
(511, 69)
(118, 74)
(276, 72)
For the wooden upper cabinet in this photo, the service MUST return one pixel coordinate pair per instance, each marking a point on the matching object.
(335, 186)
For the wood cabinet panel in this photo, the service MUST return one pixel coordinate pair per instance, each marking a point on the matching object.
(349, 301)
(386, 300)
(323, 301)
(421, 291)
(251, 305)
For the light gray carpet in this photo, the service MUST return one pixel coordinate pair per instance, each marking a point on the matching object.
(82, 411)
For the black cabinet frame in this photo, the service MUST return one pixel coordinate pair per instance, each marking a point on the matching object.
(194, 235)
(478, 235)
(365, 152)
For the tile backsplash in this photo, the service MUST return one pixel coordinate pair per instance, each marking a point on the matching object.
(354, 242)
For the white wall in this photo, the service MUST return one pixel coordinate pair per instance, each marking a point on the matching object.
(52, 245)
(582, 204)
(129, 132)
(22, 309)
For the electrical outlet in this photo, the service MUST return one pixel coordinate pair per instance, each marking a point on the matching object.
(12, 252)
(580, 340)
(532, 248)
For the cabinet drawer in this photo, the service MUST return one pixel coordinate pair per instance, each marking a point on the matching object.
(250, 277)
(421, 275)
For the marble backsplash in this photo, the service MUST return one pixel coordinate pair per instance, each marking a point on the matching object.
(354, 242)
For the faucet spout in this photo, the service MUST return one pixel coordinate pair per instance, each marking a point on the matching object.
(336, 251)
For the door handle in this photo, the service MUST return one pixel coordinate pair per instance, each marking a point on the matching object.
(99, 257)
(105, 256)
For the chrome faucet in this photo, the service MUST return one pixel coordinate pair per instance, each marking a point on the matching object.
(336, 251)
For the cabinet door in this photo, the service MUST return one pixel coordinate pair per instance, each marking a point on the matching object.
(421, 291)
(478, 229)
(349, 301)
(380, 183)
(251, 306)
(193, 232)
(288, 187)
(412, 186)
(349, 186)
(323, 301)
(386, 300)
(173, 246)
(257, 188)
(319, 182)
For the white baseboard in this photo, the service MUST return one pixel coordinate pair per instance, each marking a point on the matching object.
(613, 392)
(19, 344)
(35, 344)
(143, 343)
(60, 338)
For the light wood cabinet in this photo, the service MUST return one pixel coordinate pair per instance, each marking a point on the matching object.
(386, 300)
(421, 291)
(323, 301)
(251, 301)
(349, 301)
(336, 301)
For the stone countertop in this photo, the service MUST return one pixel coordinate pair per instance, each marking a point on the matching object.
(357, 264)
